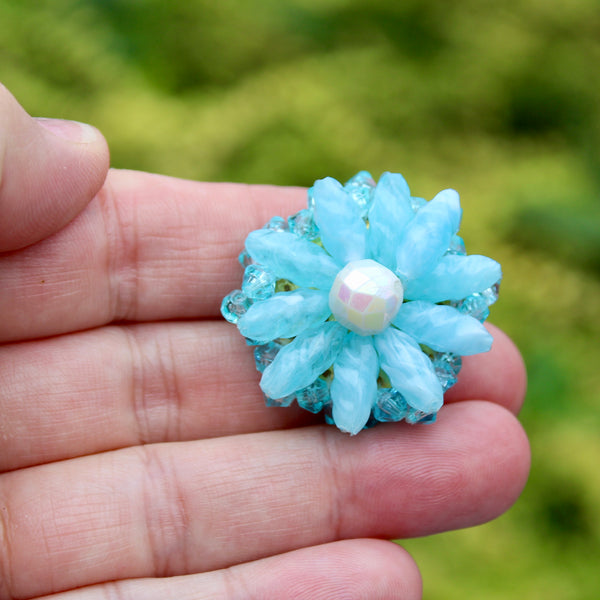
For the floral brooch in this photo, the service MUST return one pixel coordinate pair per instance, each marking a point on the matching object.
(362, 304)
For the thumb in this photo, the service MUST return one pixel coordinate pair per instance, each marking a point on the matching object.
(49, 170)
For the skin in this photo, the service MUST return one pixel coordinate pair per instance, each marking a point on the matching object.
(137, 458)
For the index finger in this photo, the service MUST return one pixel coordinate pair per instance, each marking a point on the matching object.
(147, 248)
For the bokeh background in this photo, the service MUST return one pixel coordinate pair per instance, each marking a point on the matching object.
(500, 100)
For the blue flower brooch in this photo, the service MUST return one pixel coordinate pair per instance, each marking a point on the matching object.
(362, 304)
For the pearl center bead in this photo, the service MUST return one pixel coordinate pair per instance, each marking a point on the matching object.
(365, 297)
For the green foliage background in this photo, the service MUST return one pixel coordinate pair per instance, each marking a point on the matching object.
(500, 100)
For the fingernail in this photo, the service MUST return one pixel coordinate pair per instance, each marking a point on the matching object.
(74, 131)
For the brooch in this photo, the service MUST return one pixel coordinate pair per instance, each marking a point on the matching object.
(362, 304)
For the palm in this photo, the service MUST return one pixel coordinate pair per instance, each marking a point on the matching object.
(135, 443)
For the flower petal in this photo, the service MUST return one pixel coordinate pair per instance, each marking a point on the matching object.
(290, 257)
(300, 362)
(410, 370)
(428, 236)
(443, 328)
(354, 385)
(388, 216)
(454, 278)
(343, 231)
(285, 315)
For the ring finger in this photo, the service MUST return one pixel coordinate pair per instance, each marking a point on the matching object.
(124, 385)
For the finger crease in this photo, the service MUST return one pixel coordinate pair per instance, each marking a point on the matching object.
(172, 386)
(334, 484)
(137, 386)
(167, 519)
(235, 584)
(122, 261)
(6, 581)
(113, 590)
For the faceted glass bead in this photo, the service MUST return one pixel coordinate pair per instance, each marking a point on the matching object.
(416, 416)
(302, 224)
(491, 294)
(417, 203)
(234, 305)
(277, 224)
(258, 283)
(265, 354)
(447, 367)
(287, 401)
(311, 199)
(365, 297)
(457, 246)
(390, 405)
(361, 188)
(475, 306)
(314, 396)
(245, 259)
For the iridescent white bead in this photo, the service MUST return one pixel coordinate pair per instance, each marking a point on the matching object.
(365, 297)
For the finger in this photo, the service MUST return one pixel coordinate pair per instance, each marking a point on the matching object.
(498, 375)
(210, 504)
(352, 570)
(122, 386)
(49, 170)
(147, 248)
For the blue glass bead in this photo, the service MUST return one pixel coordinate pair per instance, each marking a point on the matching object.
(454, 278)
(414, 416)
(259, 282)
(265, 354)
(475, 306)
(388, 216)
(293, 258)
(491, 294)
(390, 405)
(245, 259)
(354, 386)
(447, 367)
(285, 315)
(457, 246)
(314, 396)
(327, 414)
(302, 224)
(417, 203)
(360, 188)
(342, 228)
(277, 224)
(443, 328)
(279, 402)
(427, 236)
(311, 199)
(409, 370)
(432, 418)
(234, 305)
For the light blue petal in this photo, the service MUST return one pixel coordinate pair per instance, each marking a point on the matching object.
(443, 328)
(454, 278)
(285, 315)
(292, 258)
(300, 362)
(343, 231)
(427, 237)
(409, 369)
(388, 216)
(354, 385)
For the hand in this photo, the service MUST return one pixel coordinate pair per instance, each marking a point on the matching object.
(134, 442)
